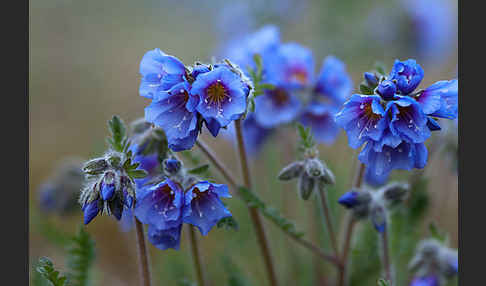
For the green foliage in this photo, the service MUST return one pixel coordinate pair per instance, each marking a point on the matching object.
(405, 227)
(201, 170)
(81, 255)
(256, 76)
(235, 277)
(365, 89)
(365, 259)
(118, 140)
(271, 213)
(383, 282)
(306, 139)
(380, 68)
(438, 234)
(46, 269)
(185, 282)
(228, 223)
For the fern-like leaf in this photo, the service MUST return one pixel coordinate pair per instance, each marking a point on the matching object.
(81, 255)
(46, 269)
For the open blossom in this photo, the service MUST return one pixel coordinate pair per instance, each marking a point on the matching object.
(185, 97)
(159, 72)
(203, 207)
(395, 122)
(333, 82)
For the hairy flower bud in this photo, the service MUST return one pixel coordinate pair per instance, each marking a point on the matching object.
(314, 168)
(291, 171)
(95, 166)
(371, 79)
(395, 192)
(172, 166)
(306, 186)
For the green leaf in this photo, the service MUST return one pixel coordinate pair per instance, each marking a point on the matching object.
(270, 213)
(365, 89)
(380, 68)
(306, 138)
(436, 233)
(46, 269)
(199, 170)
(235, 276)
(383, 282)
(137, 174)
(118, 133)
(228, 223)
(80, 258)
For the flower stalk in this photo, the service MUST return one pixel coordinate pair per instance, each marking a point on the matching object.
(254, 214)
(142, 254)
(196, 256)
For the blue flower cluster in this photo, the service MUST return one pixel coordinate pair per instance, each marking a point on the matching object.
(166, 206)
(298, 95)
(185, 98)
(394, 120)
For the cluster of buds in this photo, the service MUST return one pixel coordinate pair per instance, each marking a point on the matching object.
(433, 263)
(109, 186)
(311, 172)
(375, 203)
(59, 193)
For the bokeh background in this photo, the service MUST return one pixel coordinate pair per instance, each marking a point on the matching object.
(84, 58)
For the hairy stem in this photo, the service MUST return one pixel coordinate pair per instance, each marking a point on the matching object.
(142, 254)
(254, 214)
(386, 256)
(351, 222)
(327, 217)
(232, 181)
(196, 256)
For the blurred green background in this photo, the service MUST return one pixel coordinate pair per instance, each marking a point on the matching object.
(84, 58)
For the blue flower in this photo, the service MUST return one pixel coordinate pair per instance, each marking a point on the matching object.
(362, 117)
(91, 210)
(407, 74)
(333, 80)
(221, 94)
(172, 166)
(172, 111)
(430, 280)
(166, 238)
(262, 42)
(276, 106)
(383, 158)
(320, 118)
(387, 89)
(159, 73)
(203, 207)
(372, 179)
(290, 66)
(408, 120)
(161, 205)
(349, 199)
(440, 99)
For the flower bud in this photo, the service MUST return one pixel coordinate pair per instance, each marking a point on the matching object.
(306, 186)
(172, 166)
(371, 79)
(314, 168)
(291, 171)
(349, 199)
(395, 192)
(108, 186)
(328, 176)
(430, 280)
(387, 89)
(95, 166)
(378, 218)
(91, 210)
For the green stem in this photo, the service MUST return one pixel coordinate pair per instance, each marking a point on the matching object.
(327, 218)
(351, 222)
(232, 181)
(254, 214)
(386, 256)
(142, 254)
(196, 256)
